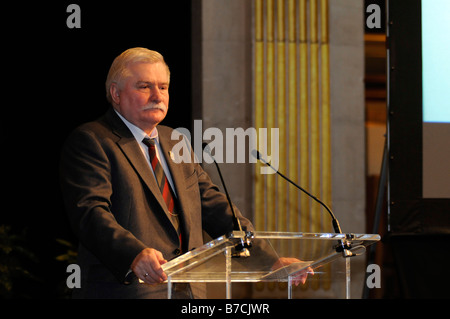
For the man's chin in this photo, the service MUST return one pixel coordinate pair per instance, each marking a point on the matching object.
(155, 116)
(155, 112)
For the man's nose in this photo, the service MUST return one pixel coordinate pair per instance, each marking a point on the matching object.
(156, 95)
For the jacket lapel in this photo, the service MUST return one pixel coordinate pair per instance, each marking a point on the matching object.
(129, 146)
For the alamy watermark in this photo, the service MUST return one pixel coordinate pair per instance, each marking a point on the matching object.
(373, 279)
(373, 20)
(74, 279)
(228, 146)
(73, 20)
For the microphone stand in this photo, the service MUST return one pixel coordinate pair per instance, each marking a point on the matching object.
(344, 245)
(241, 249)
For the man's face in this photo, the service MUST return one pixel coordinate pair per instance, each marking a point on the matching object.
(143, 97)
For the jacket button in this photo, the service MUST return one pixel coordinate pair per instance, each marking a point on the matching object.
(177, 252)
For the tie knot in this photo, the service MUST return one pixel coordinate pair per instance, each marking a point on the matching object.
(149, 141)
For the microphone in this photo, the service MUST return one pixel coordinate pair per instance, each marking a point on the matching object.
(241, 248)
(343, 245)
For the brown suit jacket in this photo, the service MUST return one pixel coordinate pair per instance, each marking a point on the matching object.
(116, 209)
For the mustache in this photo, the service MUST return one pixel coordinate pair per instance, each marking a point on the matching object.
(155, 106)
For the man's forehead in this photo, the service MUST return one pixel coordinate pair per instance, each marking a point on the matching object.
(149, 72)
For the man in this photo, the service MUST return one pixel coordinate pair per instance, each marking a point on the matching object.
(113, 200)
(130, 217)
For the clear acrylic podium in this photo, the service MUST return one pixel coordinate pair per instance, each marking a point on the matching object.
(220, 261)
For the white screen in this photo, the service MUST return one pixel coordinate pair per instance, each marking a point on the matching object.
(436, 60)
(436, 98)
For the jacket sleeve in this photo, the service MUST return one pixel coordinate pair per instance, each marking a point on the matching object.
(85, 177)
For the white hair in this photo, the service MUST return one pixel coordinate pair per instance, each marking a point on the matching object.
(119, 68)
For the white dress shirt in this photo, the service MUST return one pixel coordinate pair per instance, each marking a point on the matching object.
(139, 135)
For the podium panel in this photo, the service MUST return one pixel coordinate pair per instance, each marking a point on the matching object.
(272, 257)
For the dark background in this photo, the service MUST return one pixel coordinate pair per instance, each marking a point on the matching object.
(55, 81)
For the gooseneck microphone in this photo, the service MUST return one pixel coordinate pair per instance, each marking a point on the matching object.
(241, 248)
(343, 245)
(335, 222)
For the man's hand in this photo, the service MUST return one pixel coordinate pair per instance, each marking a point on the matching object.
(147, 266)
(286, 261)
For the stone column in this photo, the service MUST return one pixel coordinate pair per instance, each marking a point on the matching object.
(222, 93)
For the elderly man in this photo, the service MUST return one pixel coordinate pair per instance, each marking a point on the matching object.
(131, 206)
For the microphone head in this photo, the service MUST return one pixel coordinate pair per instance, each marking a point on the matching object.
(256, 154)
(206, 148)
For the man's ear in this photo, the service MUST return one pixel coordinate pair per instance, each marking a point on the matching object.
(115, 94)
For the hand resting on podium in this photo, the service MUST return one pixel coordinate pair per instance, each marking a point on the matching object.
(301, 277)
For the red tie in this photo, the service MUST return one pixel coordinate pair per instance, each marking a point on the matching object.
(163, 183)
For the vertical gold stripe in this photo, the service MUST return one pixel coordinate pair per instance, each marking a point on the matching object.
(259, 214)
(281, 115)
(270, 116)
(304, 115)
(280, 21)
(259, 20)
(315, 125)
(305, 220)
(326, 136)
(324, 21)
(315, 117)
(292, 121)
